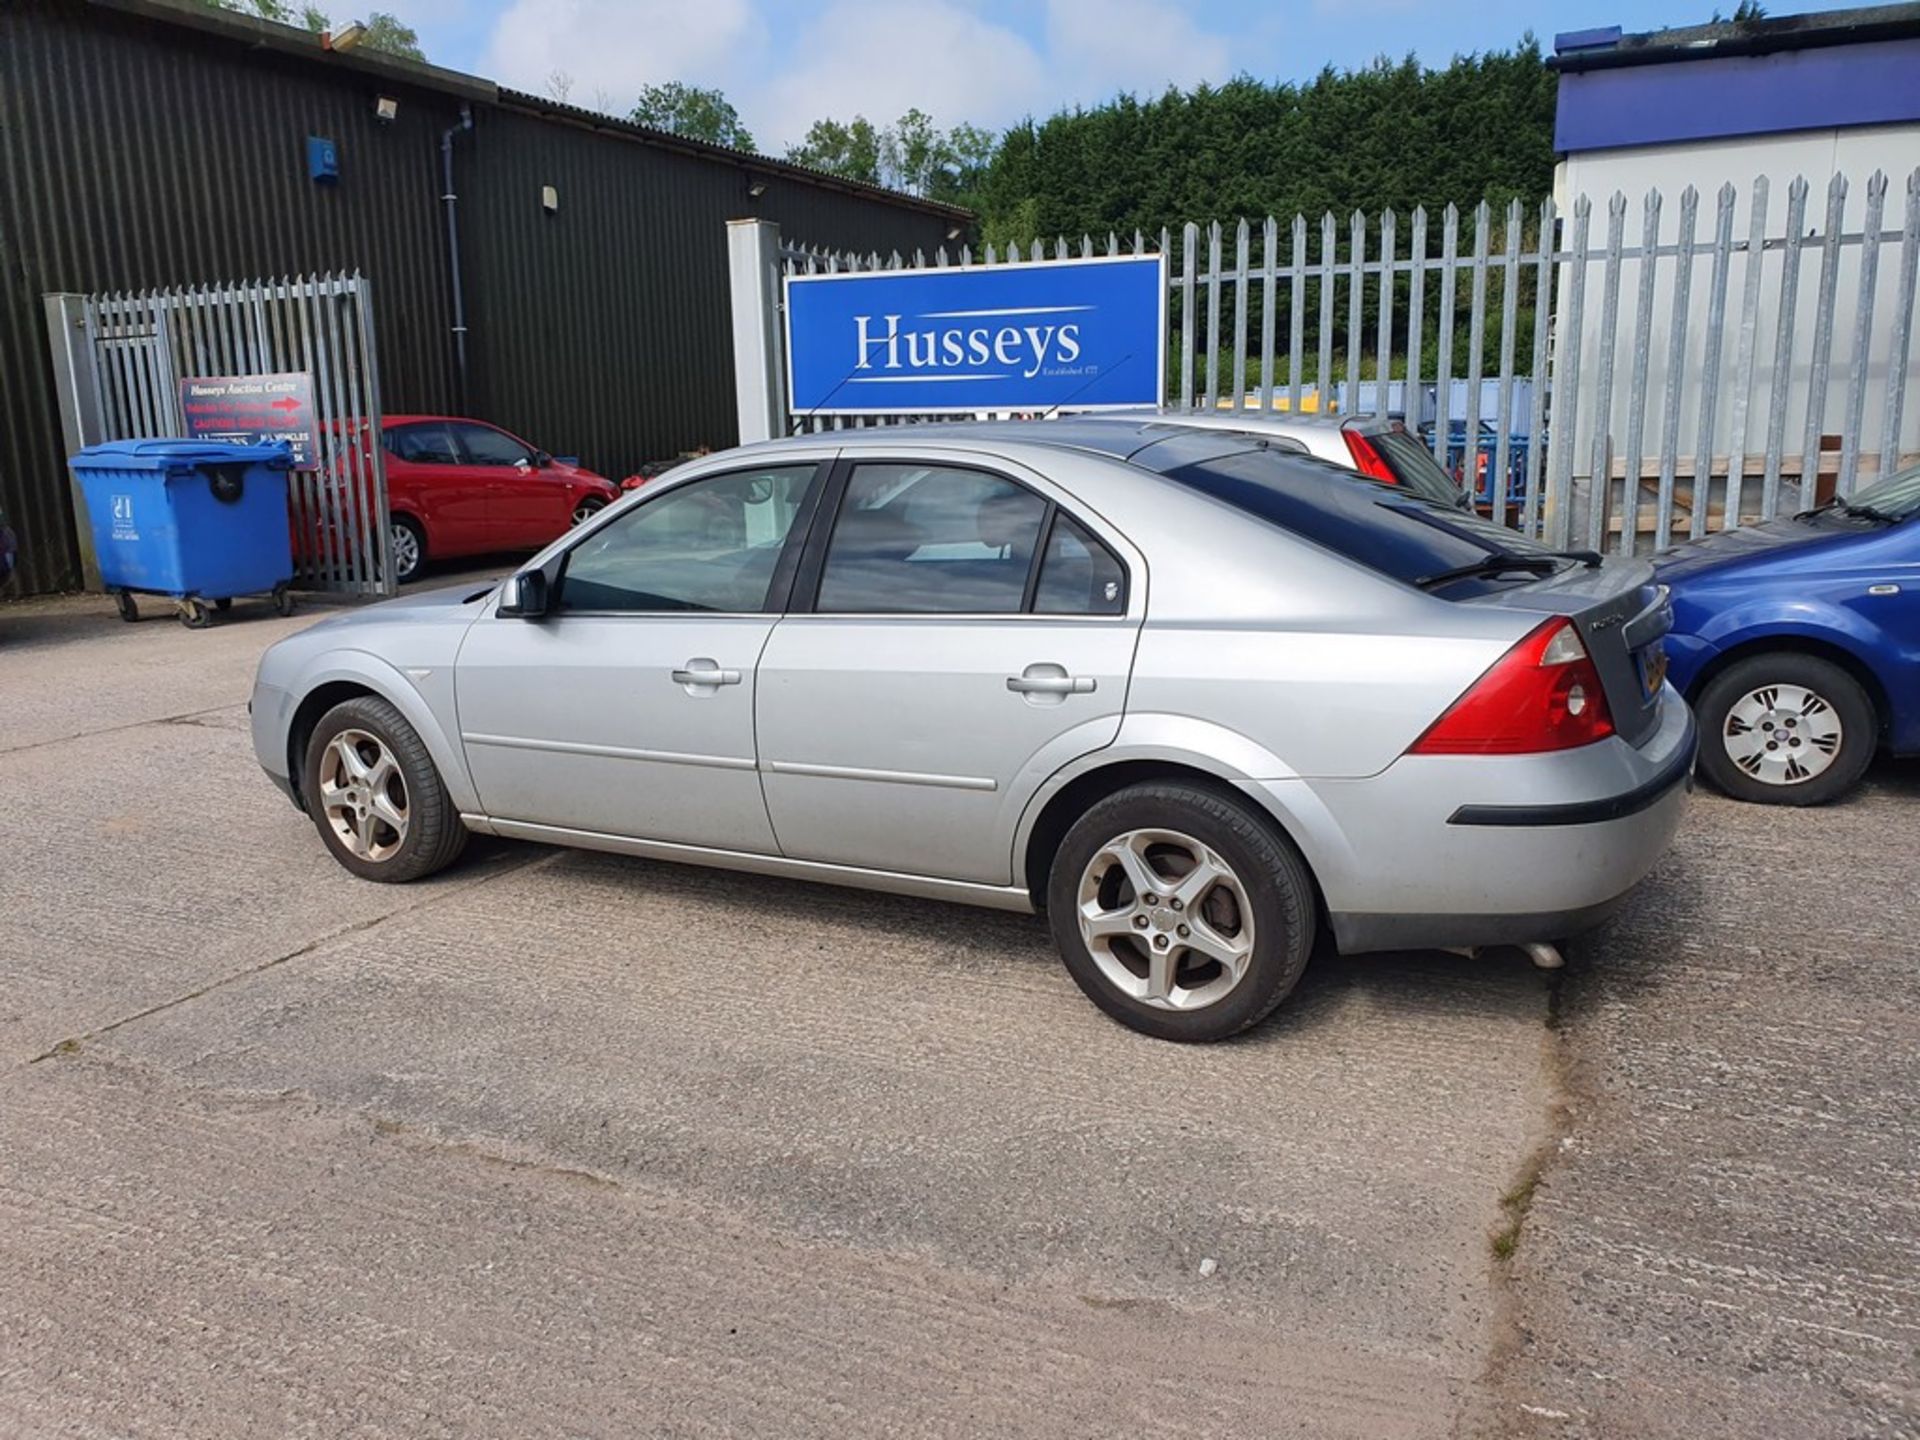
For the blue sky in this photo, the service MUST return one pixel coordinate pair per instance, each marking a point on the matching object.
(785, 63)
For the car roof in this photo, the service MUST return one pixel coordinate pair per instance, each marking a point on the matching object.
(386, 420)
(1152, 442)
(1118, 438)
(1276, 422)
(1123, 434)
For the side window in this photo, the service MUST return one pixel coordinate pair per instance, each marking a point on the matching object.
(486, 446)
(930, 539)
(1078, 575)
(422, 444)
(709, 545)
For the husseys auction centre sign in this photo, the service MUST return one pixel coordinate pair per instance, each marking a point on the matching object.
(1082, 334)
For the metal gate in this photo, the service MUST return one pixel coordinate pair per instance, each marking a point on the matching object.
(118, 360)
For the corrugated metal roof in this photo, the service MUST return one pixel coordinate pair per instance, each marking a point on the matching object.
(305, 44)
(1608, 47)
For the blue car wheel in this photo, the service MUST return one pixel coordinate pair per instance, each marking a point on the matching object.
(1785, 729)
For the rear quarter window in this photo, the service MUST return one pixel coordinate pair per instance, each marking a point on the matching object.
(1413, 466)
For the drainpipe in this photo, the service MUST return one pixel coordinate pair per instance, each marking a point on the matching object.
(452, 202)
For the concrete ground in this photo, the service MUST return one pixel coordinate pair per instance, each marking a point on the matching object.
(563, 1144)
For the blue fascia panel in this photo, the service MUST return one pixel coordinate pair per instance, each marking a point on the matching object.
(1822, 89)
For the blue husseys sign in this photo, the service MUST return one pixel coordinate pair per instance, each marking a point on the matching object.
(1077, 333)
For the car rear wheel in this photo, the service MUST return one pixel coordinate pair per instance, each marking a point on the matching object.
(1786, 729)
(1180, 912)
(375, 796)
(409, 543)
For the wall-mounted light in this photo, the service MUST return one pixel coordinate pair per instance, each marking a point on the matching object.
(385, 109)
(345, 38)
(550, 199)
(953, 232)
(756, 189)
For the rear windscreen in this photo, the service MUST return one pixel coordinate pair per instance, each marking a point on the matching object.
(1379, 526)
(1413, 466)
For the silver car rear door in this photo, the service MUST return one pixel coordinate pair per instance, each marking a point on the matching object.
(960, 630)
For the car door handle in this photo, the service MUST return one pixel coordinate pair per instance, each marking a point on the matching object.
(705, 672)
(1051, 684)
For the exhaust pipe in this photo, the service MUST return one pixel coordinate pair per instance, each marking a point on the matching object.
(1545, 956)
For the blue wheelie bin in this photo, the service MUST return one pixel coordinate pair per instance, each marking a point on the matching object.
(193, 520)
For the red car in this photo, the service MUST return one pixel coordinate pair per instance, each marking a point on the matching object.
(463, 487)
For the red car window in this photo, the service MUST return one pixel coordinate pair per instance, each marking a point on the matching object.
(486, 446)
(422, 444)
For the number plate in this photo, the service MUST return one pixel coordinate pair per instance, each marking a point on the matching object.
(1653, 668)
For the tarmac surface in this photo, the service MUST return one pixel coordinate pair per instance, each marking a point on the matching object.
(575, 1145)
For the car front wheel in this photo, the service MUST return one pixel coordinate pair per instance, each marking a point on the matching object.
(589, 507)
(375, 796)
(1786, 729)
(1180, 912)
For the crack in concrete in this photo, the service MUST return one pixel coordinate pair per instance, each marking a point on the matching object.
(188, 717)
(1484, 1415)
(502, 869)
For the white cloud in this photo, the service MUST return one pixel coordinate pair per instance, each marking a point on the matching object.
(879, 58)
(1096, 47)
(613, 47)
(876, 58)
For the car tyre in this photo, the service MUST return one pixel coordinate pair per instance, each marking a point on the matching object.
(1766, 717)
(1242, 893)
(375, 796)
(409, 544)
(588, 507)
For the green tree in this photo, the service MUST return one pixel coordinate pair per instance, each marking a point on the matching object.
(689, 110)
(851, 150)
(912, 154)
(386, 33)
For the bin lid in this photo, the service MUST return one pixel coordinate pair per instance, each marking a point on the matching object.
(173, 455)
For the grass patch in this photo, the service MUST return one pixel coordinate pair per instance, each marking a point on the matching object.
(1515, 1203)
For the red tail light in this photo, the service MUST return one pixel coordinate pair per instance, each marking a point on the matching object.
(1543, 694)
(1368, 460)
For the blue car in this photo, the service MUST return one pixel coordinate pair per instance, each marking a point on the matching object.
(1798, 644)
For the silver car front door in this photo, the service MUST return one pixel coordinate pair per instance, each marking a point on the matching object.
(628, 709)
(969, 637)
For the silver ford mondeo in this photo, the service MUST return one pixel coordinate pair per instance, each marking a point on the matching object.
(1202, 700)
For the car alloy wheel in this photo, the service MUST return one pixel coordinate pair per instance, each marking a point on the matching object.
(587, 509)
(363, 795)
(1166, 920)
(406, 550)
(1783, 734)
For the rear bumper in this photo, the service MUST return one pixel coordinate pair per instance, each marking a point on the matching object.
(1597, 811)
(1453, 851)
(1360, 934)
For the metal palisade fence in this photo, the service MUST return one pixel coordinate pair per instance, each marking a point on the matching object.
(1744, 357)
(119, 359)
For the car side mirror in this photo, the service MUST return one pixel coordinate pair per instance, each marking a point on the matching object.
(524, 595)
(541, 459)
